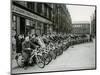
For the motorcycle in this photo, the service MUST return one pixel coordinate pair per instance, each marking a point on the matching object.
(28, 56)
(46, 56)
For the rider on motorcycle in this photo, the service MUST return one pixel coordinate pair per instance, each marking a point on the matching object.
(27, 49)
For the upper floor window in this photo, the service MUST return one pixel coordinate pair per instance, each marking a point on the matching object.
(39, 8)
(50, 14)
(45, 10)
(31, 5)
(14, 21)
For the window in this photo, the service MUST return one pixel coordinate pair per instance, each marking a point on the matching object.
(14, 21)
(33, 23)
(28, 22)
(39, 8)
(38, 25)
(31, 5)
(48, 28)
(45, 11)
(45, 28)
(50, 14)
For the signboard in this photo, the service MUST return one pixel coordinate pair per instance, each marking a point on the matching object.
(29, 14)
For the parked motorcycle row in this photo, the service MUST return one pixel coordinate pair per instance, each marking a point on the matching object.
(55, 45)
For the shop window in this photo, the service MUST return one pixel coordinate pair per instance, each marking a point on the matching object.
(27, 30)
(38, 25)
(42, 28)
(45, 28)
(48, 28)
(28, 22)
(33, 23)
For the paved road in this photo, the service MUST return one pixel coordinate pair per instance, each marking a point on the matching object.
(76, 57)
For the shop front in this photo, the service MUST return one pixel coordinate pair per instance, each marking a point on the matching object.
(26, 22)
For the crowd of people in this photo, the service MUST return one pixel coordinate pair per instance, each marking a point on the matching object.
(54, 43)
(34, 40)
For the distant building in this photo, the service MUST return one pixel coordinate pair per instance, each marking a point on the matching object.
(81, 28)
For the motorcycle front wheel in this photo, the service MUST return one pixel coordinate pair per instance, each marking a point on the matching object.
(40, 61)
(48, 59)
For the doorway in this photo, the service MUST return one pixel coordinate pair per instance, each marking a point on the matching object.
(22, 25)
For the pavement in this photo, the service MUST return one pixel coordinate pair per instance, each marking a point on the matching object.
(81, 56)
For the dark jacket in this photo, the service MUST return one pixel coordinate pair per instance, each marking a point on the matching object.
(19, 45)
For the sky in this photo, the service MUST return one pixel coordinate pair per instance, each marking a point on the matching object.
(80, 13)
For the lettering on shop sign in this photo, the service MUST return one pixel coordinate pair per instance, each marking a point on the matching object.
(29, 14)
